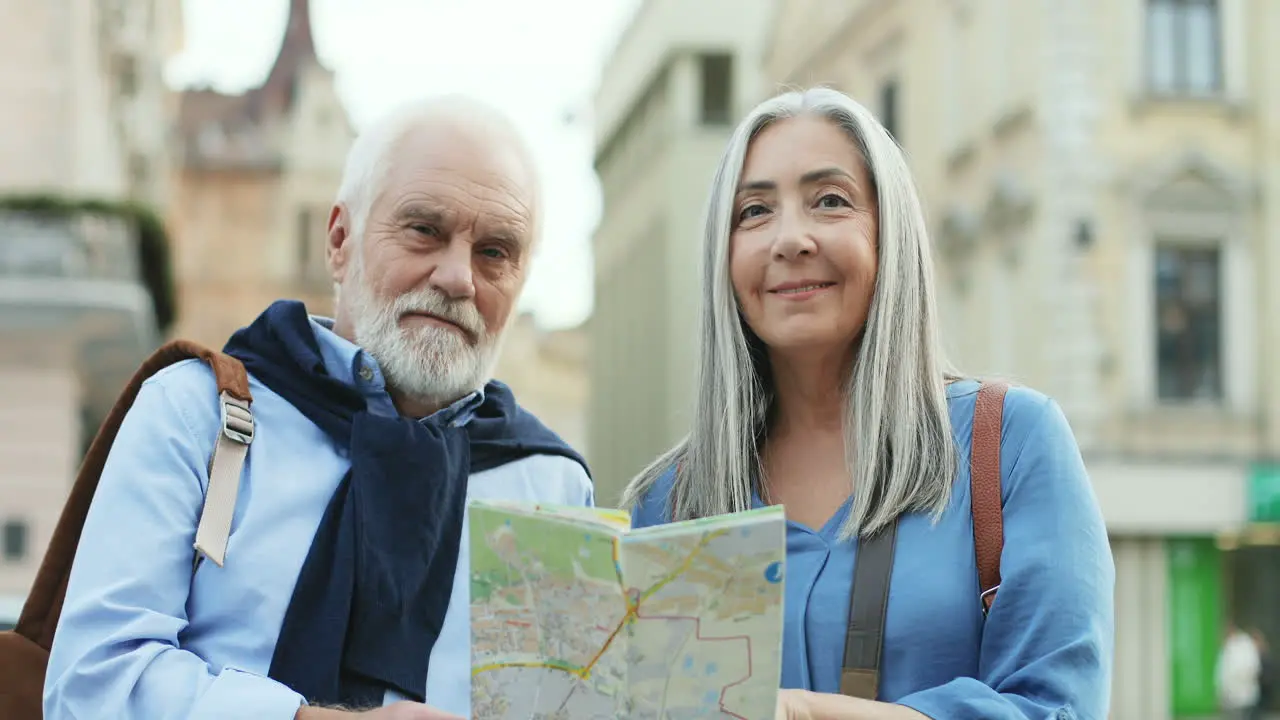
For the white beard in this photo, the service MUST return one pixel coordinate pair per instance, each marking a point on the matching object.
(431, 364)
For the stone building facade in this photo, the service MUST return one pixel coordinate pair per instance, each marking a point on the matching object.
(85, 114)
(255, 179)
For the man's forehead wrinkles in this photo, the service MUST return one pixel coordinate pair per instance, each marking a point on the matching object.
(490, 178)
(446, 192)
(513, 211)
(469, 186)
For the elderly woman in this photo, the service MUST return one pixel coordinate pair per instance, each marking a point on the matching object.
(823, 388)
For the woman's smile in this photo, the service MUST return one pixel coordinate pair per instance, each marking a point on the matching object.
(802, 290)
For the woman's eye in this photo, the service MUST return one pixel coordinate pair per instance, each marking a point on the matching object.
(832, 200)
(751, 211)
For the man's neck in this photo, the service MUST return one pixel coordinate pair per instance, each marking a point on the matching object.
(416, 407)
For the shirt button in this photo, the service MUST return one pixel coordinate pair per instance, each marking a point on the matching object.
(366, 373)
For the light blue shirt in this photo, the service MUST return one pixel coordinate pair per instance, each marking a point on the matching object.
(141, 637)
(1045, 650)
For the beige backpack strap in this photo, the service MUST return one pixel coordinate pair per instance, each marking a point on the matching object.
(24, 652)
(43, 607)
(227, 462)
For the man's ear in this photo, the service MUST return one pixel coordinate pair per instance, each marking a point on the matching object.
(339, 244)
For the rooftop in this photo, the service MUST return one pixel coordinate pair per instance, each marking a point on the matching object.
(236, 131)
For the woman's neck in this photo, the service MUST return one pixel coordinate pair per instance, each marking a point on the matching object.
(803, 459)
(810, 391)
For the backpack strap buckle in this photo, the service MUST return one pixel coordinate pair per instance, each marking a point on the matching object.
(229, 454)
(237, 419)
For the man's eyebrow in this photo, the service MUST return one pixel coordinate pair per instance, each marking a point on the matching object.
(506, 230)
(422, 213)
(502, 229)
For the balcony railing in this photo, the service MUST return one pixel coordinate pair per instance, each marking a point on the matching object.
(49, 236)
(83, 247)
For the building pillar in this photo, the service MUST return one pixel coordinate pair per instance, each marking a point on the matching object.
(1070, 112)
(40, 441)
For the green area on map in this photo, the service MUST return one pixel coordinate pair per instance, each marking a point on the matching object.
(564, 546)
(574, 615)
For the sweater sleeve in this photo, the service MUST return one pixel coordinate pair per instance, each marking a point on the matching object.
(1047, 643)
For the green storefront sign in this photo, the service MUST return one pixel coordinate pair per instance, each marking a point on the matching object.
(1264, 493)
(1195, 622)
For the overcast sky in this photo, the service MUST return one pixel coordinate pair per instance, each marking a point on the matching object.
(538, 60)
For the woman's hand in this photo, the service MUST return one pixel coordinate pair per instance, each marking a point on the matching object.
(805, 705)
(793, 705)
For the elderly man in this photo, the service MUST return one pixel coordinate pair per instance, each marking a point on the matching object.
(345, 583)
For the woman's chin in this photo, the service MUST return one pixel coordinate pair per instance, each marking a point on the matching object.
(800, 342)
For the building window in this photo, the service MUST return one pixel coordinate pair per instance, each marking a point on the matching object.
(1184, 47)
(139, 171)
(889, 108)
(1188, 296)
(13, 539)
(717, 88)
(127, 76)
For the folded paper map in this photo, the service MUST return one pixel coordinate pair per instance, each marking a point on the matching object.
(575, 615)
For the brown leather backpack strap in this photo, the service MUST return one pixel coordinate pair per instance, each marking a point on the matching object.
(984, 483)
(228, 372)
(868, 606)
(43, 607)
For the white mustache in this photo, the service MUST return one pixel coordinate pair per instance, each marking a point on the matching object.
(459, 312)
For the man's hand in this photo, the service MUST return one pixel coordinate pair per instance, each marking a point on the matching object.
(408, 711)
(396, 711)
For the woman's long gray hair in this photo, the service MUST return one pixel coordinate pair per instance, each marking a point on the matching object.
(898, 443)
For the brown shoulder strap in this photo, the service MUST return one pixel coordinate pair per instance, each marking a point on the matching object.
(984, 483)
(869, 598)
(40, 613)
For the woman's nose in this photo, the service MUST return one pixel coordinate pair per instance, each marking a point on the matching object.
(794, 237)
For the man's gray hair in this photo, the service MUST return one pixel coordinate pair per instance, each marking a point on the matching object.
(369, 160)
(898, 442)
(373, 151)
(371, 154)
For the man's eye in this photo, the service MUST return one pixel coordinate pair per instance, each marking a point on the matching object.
(495, 253)
(424, 229)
